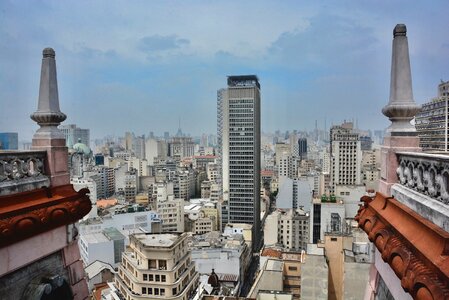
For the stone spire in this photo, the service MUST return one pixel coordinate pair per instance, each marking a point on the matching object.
(48, 114)
(401, 108)
(48, 137)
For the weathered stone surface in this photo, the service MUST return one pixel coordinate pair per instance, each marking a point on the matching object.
(13, 285)
(402, 107)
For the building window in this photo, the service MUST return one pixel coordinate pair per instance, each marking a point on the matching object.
(150, 291)
(156, 291)
(158, 278)
(162, 292)
(163, 278)
(144, 291)
(152, 263)
(162, 265)
(292, 268)
(150, 277)
(145, 277)
(174, 291)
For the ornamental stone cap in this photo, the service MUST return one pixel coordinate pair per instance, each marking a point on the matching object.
(48, 52)
(400, 30)
(401, 108)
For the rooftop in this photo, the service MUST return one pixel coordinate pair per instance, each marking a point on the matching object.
(165, 240)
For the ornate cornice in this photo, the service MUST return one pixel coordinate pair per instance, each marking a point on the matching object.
(23, 215)
(416, 249)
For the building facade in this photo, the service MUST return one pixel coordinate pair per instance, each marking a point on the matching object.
(74, 134)
(241, 151)
(346, 156)
(432, 122)
(9, 141)
(158, 266)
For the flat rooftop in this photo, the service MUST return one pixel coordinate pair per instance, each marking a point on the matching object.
(157, 240)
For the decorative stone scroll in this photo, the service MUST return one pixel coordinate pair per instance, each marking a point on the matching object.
(27, 214)
(425, 173)
(416, 250)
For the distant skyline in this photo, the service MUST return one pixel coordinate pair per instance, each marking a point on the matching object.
(140, 66)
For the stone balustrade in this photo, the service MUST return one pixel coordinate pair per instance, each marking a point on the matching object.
(425, 173)
(22, 171)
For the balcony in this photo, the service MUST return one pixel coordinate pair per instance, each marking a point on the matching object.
(22, 171)
(427, 174)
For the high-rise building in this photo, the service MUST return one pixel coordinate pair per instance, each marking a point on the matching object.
(9, 141)
(239, 106)
(346, 155)
(432, 121)
(302, 144)
(74, 135)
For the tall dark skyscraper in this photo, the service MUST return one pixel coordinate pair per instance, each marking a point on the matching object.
(302, 145)
(238, 108)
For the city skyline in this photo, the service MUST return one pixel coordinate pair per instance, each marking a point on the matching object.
(140, 68)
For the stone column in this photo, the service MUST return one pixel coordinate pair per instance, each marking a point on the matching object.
(48, 116)
(401, 134)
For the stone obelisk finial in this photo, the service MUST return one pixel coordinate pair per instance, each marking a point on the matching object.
(401, 108)
(48, 137)
(48, 114)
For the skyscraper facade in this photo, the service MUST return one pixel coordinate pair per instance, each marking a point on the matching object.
(73, 134)
(9, 141)
(239, 105)
(302, 144)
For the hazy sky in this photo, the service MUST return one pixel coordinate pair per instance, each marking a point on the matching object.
(140, 65)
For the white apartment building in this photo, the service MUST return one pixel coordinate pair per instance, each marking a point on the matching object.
(106, 246)
(159, 266)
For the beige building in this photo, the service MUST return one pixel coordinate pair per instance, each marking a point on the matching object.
(288, 229)
(170, 210)
(159, 266)
(346, 155)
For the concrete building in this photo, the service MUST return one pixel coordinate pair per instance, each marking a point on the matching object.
(181, 147)
(346, 156)
(226, 255)
(106, 246)
(75, 134)
(288, 229)
(126, 219)
(9, 141)
(240, 108)
(158, 266)
(371, 168)
(295, 193)
(326, 215)
(314, 278)
(169, 208)
(99, 272)
(432, 122)
(139, 147)
(302, 148)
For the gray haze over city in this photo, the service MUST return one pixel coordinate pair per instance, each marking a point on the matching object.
(144, 66)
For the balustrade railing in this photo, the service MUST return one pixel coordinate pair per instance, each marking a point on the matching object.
(425, 173)
(19, 170)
